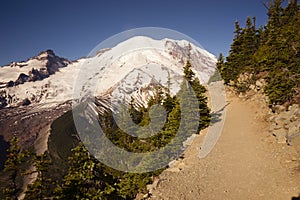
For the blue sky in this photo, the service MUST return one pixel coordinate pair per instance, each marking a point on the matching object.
(73, 28)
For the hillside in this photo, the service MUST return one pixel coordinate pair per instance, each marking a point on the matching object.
(271, 53)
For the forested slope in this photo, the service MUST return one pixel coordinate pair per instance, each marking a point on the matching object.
(271, 53)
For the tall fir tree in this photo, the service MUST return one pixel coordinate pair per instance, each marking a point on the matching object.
(39, 188)
(83, 179)
(199, 90)
(13, 166)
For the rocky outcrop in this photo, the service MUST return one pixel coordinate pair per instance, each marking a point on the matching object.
(285, 124)
(21, 79)
(25, 102)
(3, 99)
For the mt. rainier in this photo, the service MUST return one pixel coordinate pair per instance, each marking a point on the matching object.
(48, 80)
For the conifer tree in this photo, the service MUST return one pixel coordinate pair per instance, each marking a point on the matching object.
(39, 188)
(83, 179)
(188, 72)
(220, 62)
(13, 166)
(231, 69)
(249, 45)
(271, 53)
(193, 83)
(204, 110)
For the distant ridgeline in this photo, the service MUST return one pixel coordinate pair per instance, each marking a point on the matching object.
(271, 53)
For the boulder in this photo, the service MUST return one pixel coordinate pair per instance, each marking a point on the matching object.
(26, 102)
(280, 121)
(294, 141)
(259, 84)
(278, 109)
(280, 135)
(294, 110)
(293, 128)
(272, 118)
(293, 107)
(274, 126)
(285, 118)
(295, 123)
(153, 186)
(252, 87)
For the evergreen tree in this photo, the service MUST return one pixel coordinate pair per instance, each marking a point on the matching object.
(271, 53)
(193, 83)
(249, 43)
(131, 184)
(13, 165)
(204, 111)
(39, 188)
(188, 72)
(230, 69)
(169, 102)
(290, 11)
(274, 12)
(216, 76)
(220, 62)
(83, 179)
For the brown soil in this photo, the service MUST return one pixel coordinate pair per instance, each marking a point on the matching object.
(246, 163)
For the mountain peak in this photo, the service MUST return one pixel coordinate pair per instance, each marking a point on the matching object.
(49, 51)
(46, 54)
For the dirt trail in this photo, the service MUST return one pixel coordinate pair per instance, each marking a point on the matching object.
(246, 163)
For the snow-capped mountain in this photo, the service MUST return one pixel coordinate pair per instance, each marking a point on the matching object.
(36, 68)
(48, 80)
